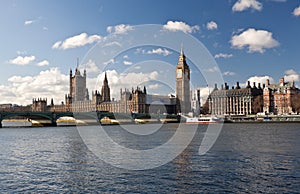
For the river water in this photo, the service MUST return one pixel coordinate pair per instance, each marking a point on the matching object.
(246, 158)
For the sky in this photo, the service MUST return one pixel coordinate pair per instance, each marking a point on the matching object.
(41, 40)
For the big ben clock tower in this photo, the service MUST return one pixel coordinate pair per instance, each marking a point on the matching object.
(183, 85)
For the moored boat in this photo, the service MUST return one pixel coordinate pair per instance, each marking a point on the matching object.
(109, 121)
(204, 120)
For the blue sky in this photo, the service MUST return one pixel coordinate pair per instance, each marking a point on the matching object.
(41, 40)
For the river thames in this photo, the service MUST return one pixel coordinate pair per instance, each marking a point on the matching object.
(246, 158)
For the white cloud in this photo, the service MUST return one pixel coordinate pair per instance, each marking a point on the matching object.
(119, 29)
(47, 84)
(140, 50)
(90, 67)
(52, 83)
(21, 52)
(118, 81)
(127, 62)
(160, 51)
(22, 60)
(255, 40)
(28, 22)
(260, 79)
(242, 5)
(109, 62)
(212, 25)
(76, 41)
(213, 69)
(180, 26)
(291, 75)
(296, 11)
(43, 63)
(154, 86)
(228, 73)
(223, 55)
(125, 57)
(114, 43)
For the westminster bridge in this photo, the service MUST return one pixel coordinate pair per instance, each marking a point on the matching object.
(52, 117)
(91, 117)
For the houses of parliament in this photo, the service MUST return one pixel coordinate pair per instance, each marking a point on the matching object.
(278, 99)
(135, 100)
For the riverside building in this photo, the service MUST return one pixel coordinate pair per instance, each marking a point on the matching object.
(278, 97)
(234, 101)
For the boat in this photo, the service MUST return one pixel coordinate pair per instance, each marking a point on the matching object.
(16, 123)
(204, 120)
(66, 121)
(109, 121)
(140, 121)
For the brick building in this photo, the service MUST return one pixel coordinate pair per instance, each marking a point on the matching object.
(278, 97)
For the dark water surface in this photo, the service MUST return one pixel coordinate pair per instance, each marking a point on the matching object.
(247, 158)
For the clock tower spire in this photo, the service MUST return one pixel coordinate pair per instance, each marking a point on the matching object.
(183, 84)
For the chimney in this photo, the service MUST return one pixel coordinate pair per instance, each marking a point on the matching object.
(264, 85)
(259, 87)
(226, 86)
(248, 84)
(237, 85)
(267, 82)
(222, 87)
(254, 85)
(216, 86)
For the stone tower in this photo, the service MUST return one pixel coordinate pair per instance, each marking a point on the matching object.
(183, 85)
(105, 91)
(78, 90)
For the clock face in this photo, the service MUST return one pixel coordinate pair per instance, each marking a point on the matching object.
(179, 73)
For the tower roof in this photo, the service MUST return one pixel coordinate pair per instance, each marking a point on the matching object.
(105, 78)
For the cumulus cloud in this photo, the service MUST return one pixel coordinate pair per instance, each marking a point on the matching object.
(119, 81)
(212, 25)
(180, 26)
(228, 73)
(242, 5)
(119, 29)
(154, 86)
(127, 62)
(114, 43)
(223, 55)
(76, 41)
(28, 22)
(296, 11)
(255, 40)
(50, 83)
(213, 69)
(291, 75)
(109, 62)
(43, 63)
(20, 60)
(260, 79)
(90, 67)
(160, 51)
